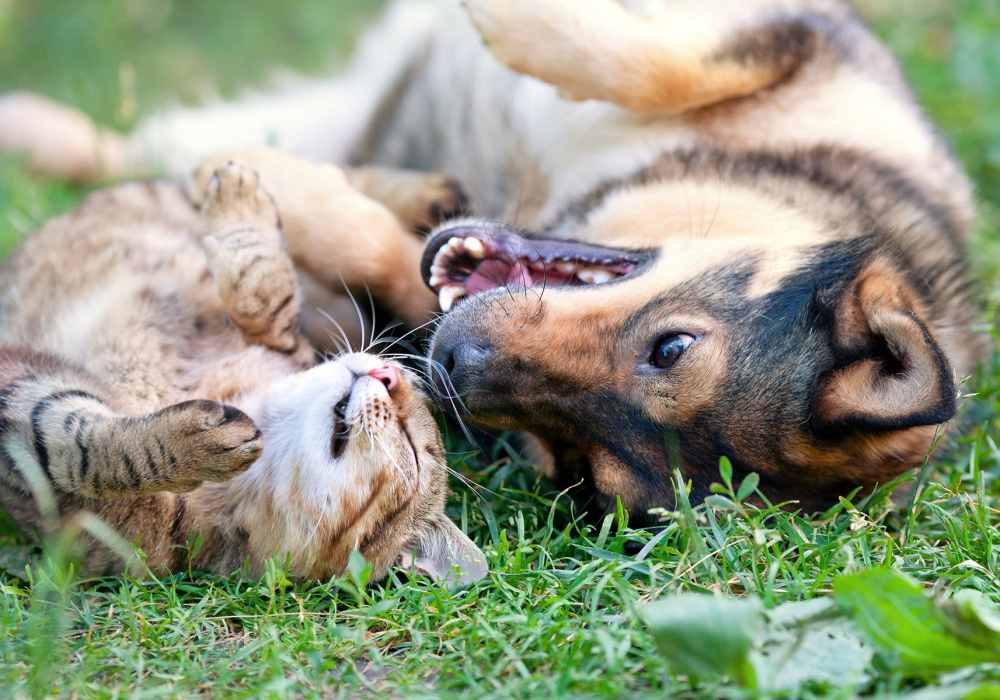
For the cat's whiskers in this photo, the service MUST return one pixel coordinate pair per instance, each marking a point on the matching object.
(409, 333)
(452, 395)
(346, 347)
(371, 306)
(360, 314)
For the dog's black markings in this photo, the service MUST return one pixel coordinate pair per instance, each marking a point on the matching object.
(846, 173)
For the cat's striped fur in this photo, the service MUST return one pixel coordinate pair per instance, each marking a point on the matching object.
(152, 371)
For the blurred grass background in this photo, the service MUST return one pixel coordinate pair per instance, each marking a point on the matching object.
(119, 59)
(538, 628)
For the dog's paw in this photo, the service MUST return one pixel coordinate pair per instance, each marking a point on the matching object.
(441, 199)
(491, 19)
(55, 140)
(546, 39)
(233, 195)
(520, 33)
(419, 200)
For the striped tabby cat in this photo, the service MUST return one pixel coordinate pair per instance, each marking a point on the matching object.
(152, 371)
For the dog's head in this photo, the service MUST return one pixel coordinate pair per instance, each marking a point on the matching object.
(667, 324)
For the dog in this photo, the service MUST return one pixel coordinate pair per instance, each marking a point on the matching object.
(701, 230)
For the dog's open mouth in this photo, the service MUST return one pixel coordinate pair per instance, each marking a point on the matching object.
(464, 260)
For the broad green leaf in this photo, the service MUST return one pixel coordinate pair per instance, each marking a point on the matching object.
(811, 641)
(719, 502)
(915, 635)
(962, 691)
(803, 612)
(972, 618)
(707, 637)
(359, 570)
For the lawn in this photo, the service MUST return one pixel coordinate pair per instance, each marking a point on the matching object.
(560, 614)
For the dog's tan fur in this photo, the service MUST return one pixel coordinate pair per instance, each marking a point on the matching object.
(775, 138)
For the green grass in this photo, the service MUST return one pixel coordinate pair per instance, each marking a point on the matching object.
(557, 616)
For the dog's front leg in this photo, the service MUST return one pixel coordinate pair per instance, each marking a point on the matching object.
(419, 200)
(679, 57)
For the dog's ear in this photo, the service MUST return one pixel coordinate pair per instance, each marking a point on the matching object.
(442, 551)
(892, 379)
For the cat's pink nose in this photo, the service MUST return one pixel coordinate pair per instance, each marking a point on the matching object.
(387, 374)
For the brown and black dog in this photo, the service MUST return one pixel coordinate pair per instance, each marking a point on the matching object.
(708, 229)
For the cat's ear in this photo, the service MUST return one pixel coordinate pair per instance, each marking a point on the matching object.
(445, 553)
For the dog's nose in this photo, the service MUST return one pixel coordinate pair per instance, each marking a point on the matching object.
(458, 364)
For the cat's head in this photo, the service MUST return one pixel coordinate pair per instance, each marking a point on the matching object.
(352, 460)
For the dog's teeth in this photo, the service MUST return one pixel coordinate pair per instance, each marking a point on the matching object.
(567, 268)
(441, 258)
(594, 276)
(455, 244)
(440, 270)
(475, 247)
(437, 280)
(449, 295)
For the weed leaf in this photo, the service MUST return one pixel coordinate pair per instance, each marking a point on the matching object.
(707, 637)
(916, 635)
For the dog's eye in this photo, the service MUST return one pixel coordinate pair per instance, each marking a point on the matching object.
(669, 349)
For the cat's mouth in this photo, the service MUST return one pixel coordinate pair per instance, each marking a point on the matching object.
(372, 404)
(341, 434)
(465, 259)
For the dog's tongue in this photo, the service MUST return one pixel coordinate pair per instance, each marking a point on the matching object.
(497, 273)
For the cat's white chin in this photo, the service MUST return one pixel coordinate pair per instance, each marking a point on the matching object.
(328, 431)
(332, 434)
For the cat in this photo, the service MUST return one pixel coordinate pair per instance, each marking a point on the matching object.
(153, 371)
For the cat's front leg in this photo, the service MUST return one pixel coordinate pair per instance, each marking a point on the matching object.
(247, 256)
(336, 233)
(61, 427)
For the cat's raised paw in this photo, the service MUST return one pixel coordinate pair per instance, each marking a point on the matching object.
(233, 195)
